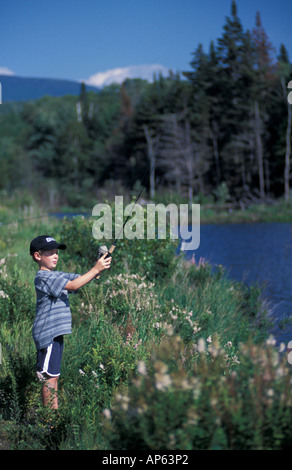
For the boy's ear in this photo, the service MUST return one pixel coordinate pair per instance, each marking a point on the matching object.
(36, 256)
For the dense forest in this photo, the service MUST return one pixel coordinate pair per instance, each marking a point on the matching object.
(223, 127)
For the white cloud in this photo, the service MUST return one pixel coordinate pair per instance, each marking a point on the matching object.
(6, 71)
(118, 75)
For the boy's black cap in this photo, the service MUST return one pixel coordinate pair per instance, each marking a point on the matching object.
(45, 242)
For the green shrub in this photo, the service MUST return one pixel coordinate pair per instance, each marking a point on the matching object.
(168, 408)
(17, 299)
(164, 354)
(154, 258)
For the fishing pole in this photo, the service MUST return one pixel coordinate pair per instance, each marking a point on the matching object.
(103, 249)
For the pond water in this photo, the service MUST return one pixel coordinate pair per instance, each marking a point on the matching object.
(259, 253)
(253, 253)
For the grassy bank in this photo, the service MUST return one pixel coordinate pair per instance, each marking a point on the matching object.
(164, 354)
(278, 211)
(19, 208)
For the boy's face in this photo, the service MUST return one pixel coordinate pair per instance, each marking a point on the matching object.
(47, 260)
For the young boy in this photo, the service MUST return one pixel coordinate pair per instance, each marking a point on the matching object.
(53, 315)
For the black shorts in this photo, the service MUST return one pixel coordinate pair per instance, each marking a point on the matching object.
(49, 359)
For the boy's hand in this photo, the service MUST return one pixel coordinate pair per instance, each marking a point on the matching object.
(100, 265)
(103, 262)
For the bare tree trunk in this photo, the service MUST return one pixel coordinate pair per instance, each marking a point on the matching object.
(79, 111)
(189, 161)
(214, 137)
(288, 153)
(288, 140)
(152, 146)
(259, 148)
(184, 158)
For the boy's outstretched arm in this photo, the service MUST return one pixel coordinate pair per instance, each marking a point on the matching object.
(100, 265)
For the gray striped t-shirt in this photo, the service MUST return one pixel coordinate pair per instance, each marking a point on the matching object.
(53, 315)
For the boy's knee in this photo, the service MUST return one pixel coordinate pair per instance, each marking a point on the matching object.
(47, 379)
(52, 381)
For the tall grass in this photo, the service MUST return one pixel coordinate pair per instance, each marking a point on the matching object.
(163, 355)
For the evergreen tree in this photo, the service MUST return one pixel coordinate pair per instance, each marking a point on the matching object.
(263, 86)
(233, 111)
(204, 108)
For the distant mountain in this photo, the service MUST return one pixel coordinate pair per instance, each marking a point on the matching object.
(24, 89)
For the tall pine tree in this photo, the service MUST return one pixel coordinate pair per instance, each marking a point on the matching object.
(263, 86)
(232, 54)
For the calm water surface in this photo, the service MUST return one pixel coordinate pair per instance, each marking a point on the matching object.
(255, 253)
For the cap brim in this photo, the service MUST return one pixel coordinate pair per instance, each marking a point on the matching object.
(62, 246)
(52, 246)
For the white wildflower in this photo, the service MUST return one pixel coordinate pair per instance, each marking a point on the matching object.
(282, 347)
(162, 381)
(214, 349)
(141, 368)
(107, 413)
(271, 341)
(196, 328)
(169, 329)
(160, 367)
(124, 400)
(201, 345)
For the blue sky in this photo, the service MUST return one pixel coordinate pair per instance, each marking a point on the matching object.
(102, 40)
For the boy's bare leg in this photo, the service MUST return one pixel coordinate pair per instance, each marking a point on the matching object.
(50, 392)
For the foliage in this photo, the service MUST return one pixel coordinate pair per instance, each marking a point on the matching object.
(222, 131)
(177, 362)
(213, 406)
(157, 255)
(16, 302)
